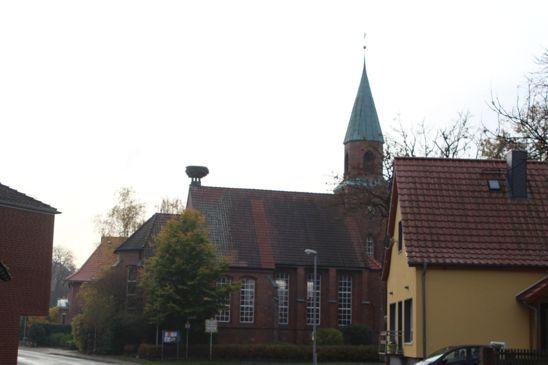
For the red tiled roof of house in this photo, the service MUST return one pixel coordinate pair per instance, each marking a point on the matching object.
(264, 228)
(102, 257)
(451, 217)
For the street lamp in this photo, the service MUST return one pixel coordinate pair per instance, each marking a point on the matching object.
(309, 251)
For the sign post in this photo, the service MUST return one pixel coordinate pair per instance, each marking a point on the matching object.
(187, 327)
(171, 337)
(211, 328)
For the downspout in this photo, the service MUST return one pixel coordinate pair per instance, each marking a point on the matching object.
(424, 268)
(537, 326)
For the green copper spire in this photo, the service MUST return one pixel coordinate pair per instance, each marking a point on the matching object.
(364, 123)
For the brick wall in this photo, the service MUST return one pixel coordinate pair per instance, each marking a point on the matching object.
(26, 240)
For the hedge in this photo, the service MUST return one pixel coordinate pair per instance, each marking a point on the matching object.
(49, 334)
(280, 352)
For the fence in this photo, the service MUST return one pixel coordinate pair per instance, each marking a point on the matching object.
(390, 343)
(520, 357)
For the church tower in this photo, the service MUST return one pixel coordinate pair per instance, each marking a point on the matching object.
(363, 143)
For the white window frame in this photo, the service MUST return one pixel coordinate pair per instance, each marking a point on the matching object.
(309, 299)
(370, 246)
(344, 312)
(223, 316)
(282, 282)
(247, 301)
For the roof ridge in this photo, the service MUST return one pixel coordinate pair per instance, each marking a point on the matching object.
(266, 190)
(422, 158)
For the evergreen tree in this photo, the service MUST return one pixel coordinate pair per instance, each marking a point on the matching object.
(179, 280)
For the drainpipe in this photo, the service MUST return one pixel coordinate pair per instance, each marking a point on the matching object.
(424, 267)
(537, 326)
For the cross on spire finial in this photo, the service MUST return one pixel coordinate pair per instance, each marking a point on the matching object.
(364, 43)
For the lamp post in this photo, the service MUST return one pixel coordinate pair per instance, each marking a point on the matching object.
(315, 321)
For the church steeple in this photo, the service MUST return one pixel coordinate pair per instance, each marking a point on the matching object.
(363, 142)
(364, 123)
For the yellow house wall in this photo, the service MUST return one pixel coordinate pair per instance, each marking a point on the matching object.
(477, 306)
(400, 277)
(463, 306)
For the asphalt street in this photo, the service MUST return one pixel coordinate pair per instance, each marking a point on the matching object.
(59, 357)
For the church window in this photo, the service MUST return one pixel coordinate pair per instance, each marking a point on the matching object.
(131, 289)
(368, 162)
(282, 281)
(370, 246)
(313, 307)
(345, 164)
(247, 301)
(224, 313)
(345, 300)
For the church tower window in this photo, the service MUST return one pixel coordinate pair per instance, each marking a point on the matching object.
(368, 162)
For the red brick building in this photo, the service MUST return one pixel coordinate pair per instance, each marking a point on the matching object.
(264, 233)
(103, 257)
(26, 239)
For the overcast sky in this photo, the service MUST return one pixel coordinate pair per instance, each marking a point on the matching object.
(97, 95)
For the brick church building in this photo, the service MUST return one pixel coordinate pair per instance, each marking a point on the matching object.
(264, 233)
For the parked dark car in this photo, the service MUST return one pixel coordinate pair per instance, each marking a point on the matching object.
(455, 355)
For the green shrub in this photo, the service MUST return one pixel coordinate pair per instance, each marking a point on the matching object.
(149, 351)
(280, 352)
(60, 340)
(329, 337)
(359, 334)
(130, 349)
(38, 334)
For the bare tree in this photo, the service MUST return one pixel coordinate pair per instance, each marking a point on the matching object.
(62, 265)
(524, 125)
(124, 217)
(171, 206)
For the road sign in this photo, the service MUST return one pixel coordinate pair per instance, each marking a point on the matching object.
(211, 326)
(171, 336)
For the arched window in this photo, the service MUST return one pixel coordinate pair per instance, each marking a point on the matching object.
(368, 162)
(345, 164)
(247, 301)
(370, 246)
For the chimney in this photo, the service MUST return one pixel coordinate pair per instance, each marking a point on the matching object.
(196, 173)
(516, 173)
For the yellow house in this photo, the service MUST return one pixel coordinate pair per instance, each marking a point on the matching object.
(468, 256)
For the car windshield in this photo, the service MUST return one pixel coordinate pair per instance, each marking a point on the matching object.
(440, 352)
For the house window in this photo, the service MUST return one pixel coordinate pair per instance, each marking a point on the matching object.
(345, 300)
(400, 323)
(392, 320)
(370, 246)
(131, 289)
(313, 308)
(408, 320)
(368, 162)
(400, 236)
(282, 281)
(224, 313)
(247, 301)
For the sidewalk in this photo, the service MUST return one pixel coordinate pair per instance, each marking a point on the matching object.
(77, 355)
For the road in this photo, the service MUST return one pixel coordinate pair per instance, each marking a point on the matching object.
(60, 357)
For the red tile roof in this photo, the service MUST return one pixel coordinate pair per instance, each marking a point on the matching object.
(265, 228)
(102, 257)
(450, 217)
